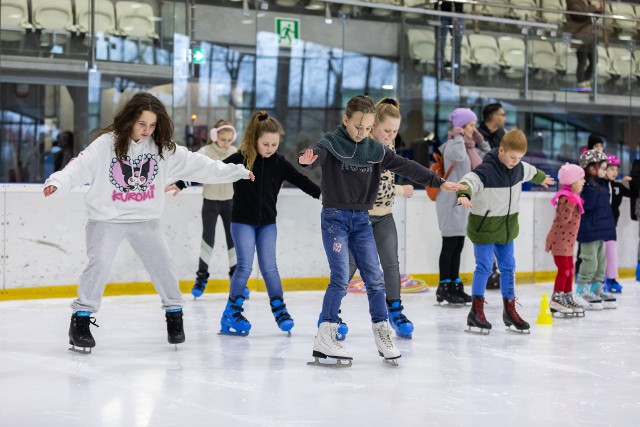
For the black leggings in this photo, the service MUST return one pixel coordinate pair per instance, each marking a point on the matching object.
(450, 257)
(211, 209)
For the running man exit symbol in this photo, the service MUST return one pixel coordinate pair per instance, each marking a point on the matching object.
(288, 30)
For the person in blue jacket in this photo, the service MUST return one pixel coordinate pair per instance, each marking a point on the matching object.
(597, 225)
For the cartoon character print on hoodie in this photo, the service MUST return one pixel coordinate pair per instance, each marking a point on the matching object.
(133, 175)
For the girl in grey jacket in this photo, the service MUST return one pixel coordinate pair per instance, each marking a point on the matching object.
(464, 150)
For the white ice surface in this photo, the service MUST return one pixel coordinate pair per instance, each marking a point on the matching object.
(577, 372)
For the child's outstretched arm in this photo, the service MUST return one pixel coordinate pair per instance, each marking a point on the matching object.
(189, 166)
(474, 184)
(79, 171)
(301, 181)
(415, 172)
(537, 176)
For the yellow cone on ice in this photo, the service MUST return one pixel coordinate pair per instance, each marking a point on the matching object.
(544, 315)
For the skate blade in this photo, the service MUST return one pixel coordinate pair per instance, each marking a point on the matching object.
(232, 334)
(518, 331)
(477, 330)
(448, 304)
(339, 363)
(562, 315)
(391, 362)
(81, 350)
(609, 305)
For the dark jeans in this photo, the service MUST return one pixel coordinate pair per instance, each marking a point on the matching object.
(584, 72)
(260, 239)
(345, 231)
(386, 237)
(456, 33)
(450, 257)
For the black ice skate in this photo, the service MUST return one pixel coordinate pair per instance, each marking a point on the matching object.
(476, 321)
(175, 328)
(493, 282)
(512, 319)
(459, 290)
(80, 336)
(447, 292)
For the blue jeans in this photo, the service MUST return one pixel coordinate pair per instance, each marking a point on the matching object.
(345, 231)
(262, 239)
(484, 254)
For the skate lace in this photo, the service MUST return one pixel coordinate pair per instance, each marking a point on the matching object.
(568, 299)
(385, 337)
(333, 332)
(83, 323)
(511, 309)
(478, 305)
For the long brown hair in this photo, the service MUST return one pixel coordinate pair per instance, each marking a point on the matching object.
(259, 124)
(128, 115)
(362, 104)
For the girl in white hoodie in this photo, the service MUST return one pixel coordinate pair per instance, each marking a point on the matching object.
(127, 167)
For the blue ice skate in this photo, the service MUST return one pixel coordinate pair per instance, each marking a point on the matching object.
(279, 310)
(233, 322)
(399, 322)
(246, 293)
(638, 272)
(200, 284)
(612, 285)
(343, 329)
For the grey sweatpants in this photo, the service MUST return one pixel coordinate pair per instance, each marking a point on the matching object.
(386, 237)
(148, 242)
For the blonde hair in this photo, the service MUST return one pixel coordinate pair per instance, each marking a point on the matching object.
(514, 140)
(259, 124)
(221, 122)
(388, 107)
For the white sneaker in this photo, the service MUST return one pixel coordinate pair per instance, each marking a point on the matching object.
(326, 345)
(382, 336)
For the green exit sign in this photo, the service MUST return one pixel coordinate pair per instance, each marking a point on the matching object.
(198, 56)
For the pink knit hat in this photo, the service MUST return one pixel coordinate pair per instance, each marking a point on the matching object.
(461, 116)
(569, 173)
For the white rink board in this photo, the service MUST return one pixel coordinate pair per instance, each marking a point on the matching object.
(44, 238)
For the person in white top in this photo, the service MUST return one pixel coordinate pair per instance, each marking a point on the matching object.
(127, 167)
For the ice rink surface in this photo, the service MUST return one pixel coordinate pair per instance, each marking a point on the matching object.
(577, 372)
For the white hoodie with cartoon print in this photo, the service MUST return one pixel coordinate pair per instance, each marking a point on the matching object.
(133, 190)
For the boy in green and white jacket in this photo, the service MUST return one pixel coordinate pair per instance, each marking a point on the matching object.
(496, 185)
